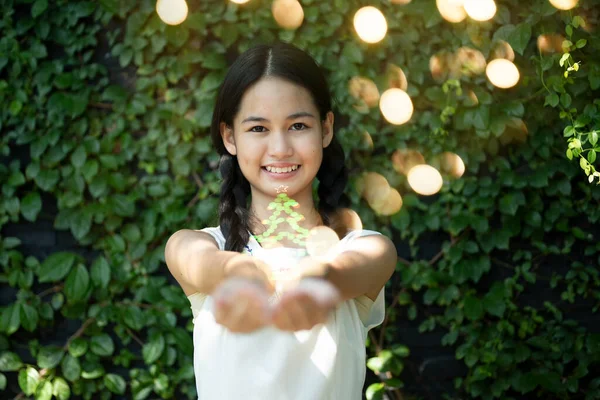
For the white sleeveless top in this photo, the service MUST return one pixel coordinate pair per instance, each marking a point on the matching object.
(326, 362)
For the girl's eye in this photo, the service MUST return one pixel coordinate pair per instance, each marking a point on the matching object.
(300, 126)
(260, 127)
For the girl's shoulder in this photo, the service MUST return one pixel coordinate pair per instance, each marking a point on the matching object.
(216, 233)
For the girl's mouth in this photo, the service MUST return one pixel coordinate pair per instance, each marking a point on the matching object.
(281, 175)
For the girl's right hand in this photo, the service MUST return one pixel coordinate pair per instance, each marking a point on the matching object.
(242, 304)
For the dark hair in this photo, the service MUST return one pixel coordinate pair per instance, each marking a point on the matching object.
(293, 64)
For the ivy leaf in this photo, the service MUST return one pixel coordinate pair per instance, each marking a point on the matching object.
(11, 318)
(56, 266)
(473, 307)
(10, 361)
(115, 383)
(71, 368)
(38, 8)
(61, 389)
(29, 379)
(102, 345)
(50, 356)
(100, 272)
(153, 350)
(29, 317)
(519, 37)
(77, 283)
(375, 391)
(493, 301)
(31, 205)
(3, 381)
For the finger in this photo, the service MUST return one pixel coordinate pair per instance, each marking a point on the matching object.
(296, 311)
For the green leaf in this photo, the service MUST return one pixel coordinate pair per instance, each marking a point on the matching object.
(552, 99)
(102, 345)
(493, 301)
(38, 8)
(100, 272)
(79, 157)
(77, 283)
(10, 361)
(519, 37)
(593, 137)
(473, 307)
(375, 391)
(11, 318)
(61, 389)
(71, 368)
(591, 156)
(352, 52)
(50, 356)
(44, 391)
(29, 379)
(31, 205)
(581, 43)
(153, 350)
(78, 347)
(29, 317)
(3, 381)
(115, 383)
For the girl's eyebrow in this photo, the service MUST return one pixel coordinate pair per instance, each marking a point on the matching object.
(292, 116)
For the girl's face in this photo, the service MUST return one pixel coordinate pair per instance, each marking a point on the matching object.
(278, 126)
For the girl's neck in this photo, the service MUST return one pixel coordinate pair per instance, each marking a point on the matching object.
(283, 220)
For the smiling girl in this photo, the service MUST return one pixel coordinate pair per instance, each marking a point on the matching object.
(273, 127)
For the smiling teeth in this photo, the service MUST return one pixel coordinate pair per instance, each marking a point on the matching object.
(281, 170)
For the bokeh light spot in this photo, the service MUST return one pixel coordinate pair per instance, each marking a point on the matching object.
(320, 240)
(425, 180)
(451, 10)
(396, 106)
(288, 13)
(172, 12)
(502, 73)
(404, 159)
(480, 10)
(370, 24)
(564, 4)
(364, 89)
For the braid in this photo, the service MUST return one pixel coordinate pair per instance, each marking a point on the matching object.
(333, 176)
(233, 213)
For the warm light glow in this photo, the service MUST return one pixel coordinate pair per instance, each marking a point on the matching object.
(368, 140)
(480, 10)
(396, 77)
(404, 159)
(172, 12)
(320, 240)
(515, 130)
(392, 204)
(503, 50)
(451, 10)
(564, 4)
(402, 2)
(346, 219)
(370, 24)
(396, 106)
(467, 61)
(239, 1)
(502, 73)
(425, 180)
(452, 164)
(288, 13)
(364, 89)
(376, 189)
(550, 42)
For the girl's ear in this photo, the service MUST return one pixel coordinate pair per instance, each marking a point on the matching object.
(228, 138)
(327, 128)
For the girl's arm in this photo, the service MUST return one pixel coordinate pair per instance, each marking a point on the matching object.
(365, 269)
(195, 261)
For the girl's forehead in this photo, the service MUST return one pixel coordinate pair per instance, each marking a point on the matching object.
(276, 97)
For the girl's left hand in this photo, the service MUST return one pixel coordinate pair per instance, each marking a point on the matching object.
(308, 304)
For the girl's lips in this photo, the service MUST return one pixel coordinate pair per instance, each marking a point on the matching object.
(283, 175)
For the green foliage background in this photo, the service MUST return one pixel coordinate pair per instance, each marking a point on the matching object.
(125, 152)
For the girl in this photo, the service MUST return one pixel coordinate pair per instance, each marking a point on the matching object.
(273, 127)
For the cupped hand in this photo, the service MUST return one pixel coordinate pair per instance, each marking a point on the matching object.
(308, 304)
(242, 304)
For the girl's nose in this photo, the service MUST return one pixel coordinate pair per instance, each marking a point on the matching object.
(280, 145)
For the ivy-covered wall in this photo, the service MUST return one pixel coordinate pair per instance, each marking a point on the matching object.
(105, 153)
